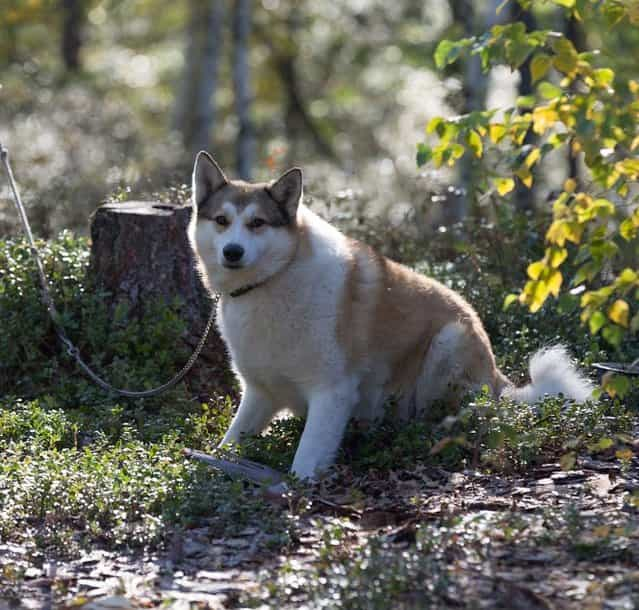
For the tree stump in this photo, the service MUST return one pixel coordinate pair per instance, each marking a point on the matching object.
(140, 253)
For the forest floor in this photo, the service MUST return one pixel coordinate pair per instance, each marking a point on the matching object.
(413, 538)
(497, 505)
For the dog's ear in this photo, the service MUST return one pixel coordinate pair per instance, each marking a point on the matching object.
(207, 177)
(287, 190)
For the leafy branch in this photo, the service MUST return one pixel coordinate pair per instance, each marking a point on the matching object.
(584, 109)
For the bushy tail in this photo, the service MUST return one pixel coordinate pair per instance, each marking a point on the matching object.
(552, 372)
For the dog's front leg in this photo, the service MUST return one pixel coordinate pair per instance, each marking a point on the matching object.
(329, 410)
(253, 415)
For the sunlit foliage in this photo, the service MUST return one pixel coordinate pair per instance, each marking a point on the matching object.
(579, 106)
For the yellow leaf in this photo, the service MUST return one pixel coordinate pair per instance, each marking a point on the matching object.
(496, 131)
(556, 233)
(627, 276)
(630, 167)
(504, 185)
(539, 296)
(535, 269)
(625, 455)
(556, 256)
(619, 312)
(544, 118)
(554, 282)
(633, 85)
(570, 185)
(475, 143)
(533, 157)
(573, 231)
(561, 231)
(523, 173)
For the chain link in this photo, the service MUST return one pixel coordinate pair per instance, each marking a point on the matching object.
(71, 349)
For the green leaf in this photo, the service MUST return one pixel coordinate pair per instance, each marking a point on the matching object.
(613, 334)
(433, 124)
(603, 444)
(539, 66)
(424, 154)
(596, 322)
(509, 300)
(525, 101)
(548, 90)
(617, 385)
(565, 55)
(442, 52)
(627, 229)
(603, 77)
(448, 51)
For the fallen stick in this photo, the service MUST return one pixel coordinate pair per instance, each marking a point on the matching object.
(237, 467)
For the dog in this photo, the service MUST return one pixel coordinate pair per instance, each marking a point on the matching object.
(322, 325)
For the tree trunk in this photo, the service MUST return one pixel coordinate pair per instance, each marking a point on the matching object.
(140, 254)
(195, 110)
(524, 196)
(297, 119)
(474, 88)
(12, 45)
(72, 33)
(242, 85)
(575, 33)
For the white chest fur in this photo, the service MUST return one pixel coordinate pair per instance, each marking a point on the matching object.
(283, 333)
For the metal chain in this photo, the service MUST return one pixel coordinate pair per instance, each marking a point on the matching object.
(71, 349)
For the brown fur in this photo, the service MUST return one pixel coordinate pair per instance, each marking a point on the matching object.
(391, 313)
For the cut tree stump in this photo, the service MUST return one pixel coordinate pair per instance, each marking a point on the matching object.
(140, 253)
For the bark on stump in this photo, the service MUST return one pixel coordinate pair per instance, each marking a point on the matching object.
(140, 253)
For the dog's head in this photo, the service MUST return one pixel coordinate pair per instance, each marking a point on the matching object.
(243, 233)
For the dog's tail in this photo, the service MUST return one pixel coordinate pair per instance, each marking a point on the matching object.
(551, 373)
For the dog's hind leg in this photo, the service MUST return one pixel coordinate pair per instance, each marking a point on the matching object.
(458, 360)
(253, 415)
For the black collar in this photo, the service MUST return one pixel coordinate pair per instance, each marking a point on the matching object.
(238, 292)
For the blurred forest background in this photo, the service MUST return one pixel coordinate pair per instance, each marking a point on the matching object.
(112, 98)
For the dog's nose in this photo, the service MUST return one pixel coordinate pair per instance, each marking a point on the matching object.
(233, 252)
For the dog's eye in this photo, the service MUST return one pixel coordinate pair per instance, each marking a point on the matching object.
(256, 223)
(221, 220)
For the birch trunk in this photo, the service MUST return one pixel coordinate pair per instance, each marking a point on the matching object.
(524, 196)
(195, 110)
(474, 88)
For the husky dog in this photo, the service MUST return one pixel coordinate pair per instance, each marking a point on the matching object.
(322, 325)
